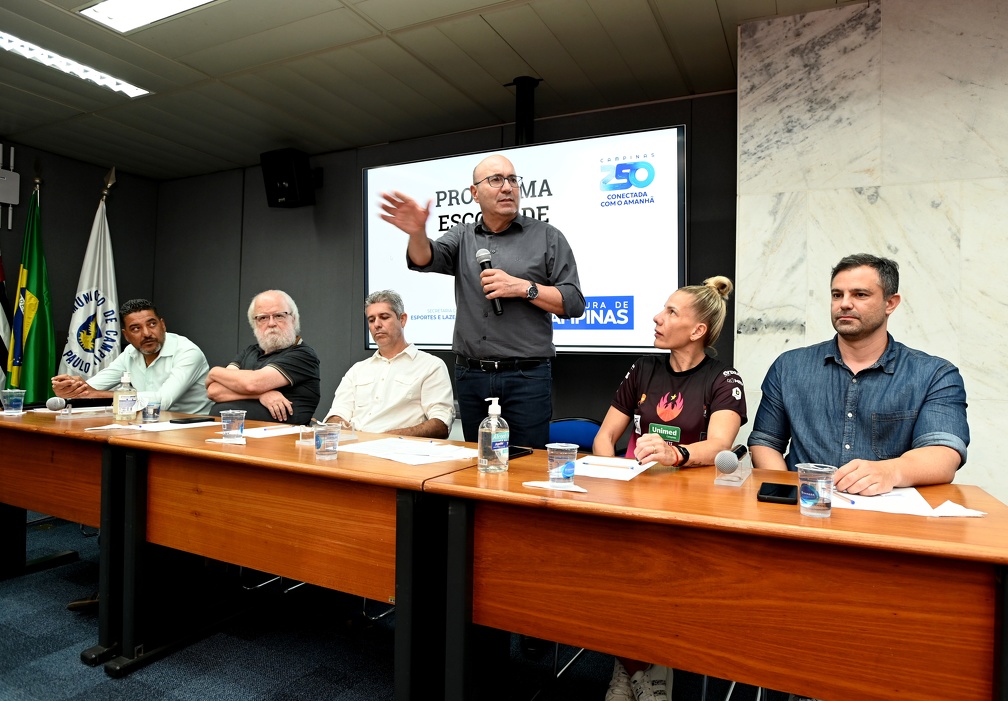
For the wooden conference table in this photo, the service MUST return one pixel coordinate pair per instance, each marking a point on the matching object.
(54, 466)
(672, 569)
(358, 524)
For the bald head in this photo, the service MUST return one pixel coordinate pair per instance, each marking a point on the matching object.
(499, 205)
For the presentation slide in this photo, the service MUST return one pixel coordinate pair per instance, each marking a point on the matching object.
(619, 200)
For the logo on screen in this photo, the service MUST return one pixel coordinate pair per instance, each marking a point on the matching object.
(623, 176)
(615, 312)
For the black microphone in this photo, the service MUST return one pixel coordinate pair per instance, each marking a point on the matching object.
(727, 461)
(483, 258)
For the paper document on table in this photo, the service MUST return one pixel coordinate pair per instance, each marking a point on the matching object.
(411, 452)
(902, 500)
(80, 410)
(569, 487)
(624, 469)
(156, 426)
(270, 431)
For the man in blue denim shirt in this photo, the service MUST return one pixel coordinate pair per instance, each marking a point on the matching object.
(887, 415)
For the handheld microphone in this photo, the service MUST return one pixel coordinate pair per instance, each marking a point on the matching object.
(730, 471)
(55, 404)
(727, 461)
(483, 258)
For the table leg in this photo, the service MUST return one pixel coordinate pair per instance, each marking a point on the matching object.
(110, 566)
(421, 523)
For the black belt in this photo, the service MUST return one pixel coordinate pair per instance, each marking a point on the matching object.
(494, 365)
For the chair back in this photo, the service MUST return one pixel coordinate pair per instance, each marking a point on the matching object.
(577, 430)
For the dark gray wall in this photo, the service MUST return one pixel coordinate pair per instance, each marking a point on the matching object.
(217, 242)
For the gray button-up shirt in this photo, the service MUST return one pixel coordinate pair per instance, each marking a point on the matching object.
(528, 249)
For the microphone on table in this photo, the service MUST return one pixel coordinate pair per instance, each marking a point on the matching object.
(55, 403)
(731, 470)
(483, 258)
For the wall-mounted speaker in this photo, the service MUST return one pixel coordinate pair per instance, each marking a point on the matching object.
(288, 178)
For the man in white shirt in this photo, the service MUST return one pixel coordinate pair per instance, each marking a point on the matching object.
(157, 361)
(400, 389)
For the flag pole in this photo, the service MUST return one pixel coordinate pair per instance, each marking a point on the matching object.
(109, 182)
(93, 338)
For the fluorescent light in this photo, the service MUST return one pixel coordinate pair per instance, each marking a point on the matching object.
(124, 15)
(11, 43)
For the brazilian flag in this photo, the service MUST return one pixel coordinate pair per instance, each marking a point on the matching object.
(31, 359)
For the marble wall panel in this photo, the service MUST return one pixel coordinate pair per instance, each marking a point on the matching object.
(944, 90)
(983, 311)
(922, 179)
(809, 101)
(770, 305)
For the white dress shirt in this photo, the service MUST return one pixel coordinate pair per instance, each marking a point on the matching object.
(381, 394)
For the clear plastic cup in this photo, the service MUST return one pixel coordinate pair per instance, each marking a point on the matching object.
(327, 441)
(815, 489)
(560, 459)
(13, 401)
(151, 411)
(233, 425)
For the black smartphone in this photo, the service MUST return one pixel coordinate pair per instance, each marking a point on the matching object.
(517, 451)
(191, 420)
(778, 493)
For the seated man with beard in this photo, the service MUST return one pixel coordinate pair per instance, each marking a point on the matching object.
(276, 378)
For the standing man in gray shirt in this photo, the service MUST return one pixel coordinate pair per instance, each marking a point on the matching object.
(533, 276)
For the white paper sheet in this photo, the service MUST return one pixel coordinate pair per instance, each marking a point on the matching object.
(411, 451)
(902, 500)
(156, 427)
(560, 488)
(623, 469)
(79, 410)
(270, 431)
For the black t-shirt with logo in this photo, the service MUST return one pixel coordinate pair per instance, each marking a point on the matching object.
(677, 405)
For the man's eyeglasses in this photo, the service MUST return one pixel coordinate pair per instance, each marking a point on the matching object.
(278, 317)
(498, 180)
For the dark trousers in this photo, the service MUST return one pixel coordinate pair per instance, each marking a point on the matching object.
(526, 400)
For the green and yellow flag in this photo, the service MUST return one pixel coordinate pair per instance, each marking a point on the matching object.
(31, 359)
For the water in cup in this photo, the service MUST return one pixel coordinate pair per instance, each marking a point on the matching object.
(815, 489)
(13, 401)
(327, 441)
(560, 459)
(151, 412)
(233, 426)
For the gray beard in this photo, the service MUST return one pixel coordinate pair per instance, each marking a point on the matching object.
(277, 342)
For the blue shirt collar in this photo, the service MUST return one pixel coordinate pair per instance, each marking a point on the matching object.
(886, 362)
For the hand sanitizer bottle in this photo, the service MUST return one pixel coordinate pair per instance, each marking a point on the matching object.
(124, 400)
(493, 440)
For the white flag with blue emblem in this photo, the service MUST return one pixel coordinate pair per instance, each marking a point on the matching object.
(93, 339)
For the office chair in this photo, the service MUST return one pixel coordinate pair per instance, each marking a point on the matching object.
(577, 430)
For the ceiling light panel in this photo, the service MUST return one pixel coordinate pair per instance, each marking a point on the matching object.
(126, 15)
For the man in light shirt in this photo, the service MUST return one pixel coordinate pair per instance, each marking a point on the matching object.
(400, 389)
(157, 361)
